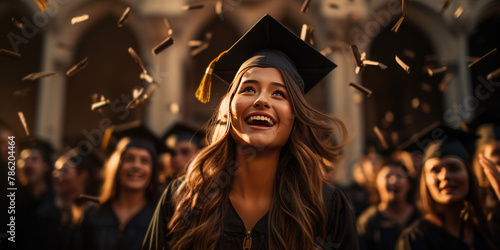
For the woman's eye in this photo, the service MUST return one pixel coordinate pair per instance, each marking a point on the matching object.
(279, 93)
(435, 170)
(248, 89)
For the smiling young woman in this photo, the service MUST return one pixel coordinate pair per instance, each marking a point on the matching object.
(258, 183)
(448, 199)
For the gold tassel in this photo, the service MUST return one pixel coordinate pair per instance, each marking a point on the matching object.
(42, 4)
(203, 91)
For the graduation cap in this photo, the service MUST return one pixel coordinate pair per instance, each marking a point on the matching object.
(486, 125)
(439, 140)
(182, 132)
(138, 134)
(268, 44)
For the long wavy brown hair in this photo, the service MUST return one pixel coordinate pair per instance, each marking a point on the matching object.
(297, 215)
(472, 205)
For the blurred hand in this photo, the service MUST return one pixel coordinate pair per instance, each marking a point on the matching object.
(491, 172)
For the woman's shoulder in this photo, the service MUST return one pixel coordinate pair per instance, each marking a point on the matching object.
(335, 198)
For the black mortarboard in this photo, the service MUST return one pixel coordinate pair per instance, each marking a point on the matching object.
(139, 135)
(268, 44)
(440, 140)
(486, 125)
(183, 132)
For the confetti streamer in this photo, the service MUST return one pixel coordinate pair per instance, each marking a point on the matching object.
(137, 59)
(403, 65)
(380, 137)
(483, 57)
(395, 28)
(10, 54)
(17, 23)
(169, 27)
(162, 46)
(460, 10)
(78, 67)
(79, 19)
(305, 6)
(432, 72)
(192, 7)
(493, 74)
(39, 75)
(123, 19)
(360, 88)
(23, 121)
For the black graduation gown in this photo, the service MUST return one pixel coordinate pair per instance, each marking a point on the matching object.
(341, 230)
(422, 234)
(378, 232)
(100, 229)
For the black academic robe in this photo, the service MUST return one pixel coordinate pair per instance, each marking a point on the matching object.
(378, 232)
(341, 227)
(423, 235)
(100, 229)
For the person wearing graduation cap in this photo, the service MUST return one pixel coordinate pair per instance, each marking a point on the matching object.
(258, 183)
(448, 198)
(393, 206)
(127, 199)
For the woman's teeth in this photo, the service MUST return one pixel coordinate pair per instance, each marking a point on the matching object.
(260, 118)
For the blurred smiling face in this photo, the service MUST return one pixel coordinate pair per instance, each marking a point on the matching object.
(32, 166)
(446, 179)
(136, 169)
(392, 184)
(492, 152)
(260, 110)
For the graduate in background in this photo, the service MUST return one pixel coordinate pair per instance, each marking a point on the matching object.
(448, 199)
(127, 199)
(258, 183)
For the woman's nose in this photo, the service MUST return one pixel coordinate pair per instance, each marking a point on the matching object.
(261, 102)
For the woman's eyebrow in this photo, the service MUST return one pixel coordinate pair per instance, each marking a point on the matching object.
(278, 84)
(250, 81)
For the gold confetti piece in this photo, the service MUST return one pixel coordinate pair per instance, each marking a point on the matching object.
(10, 54)
(141, 95)
(445, 6)
(403, 7)
(306, 34)
(357, 55)
(17, 23)
(195, 43)
(443, 85)
(123, 19)
(373, 63)
(162, 46)
(326, 51)
(493, 74)
(89, 198)
(460, 10)
(380, 137)
(192, 7)
(219, 5)
(78, 67)
(22, 92)
(395, 28)
(99, 105)
(360, 88)
(305, 6)
(23, 121)
(146, 77)
(79, 19)
(481, 58)
(403, 65)
(168, 26)
(435, 71)
(35, 76)
(198, 50)
(42, 4)
(137, 59)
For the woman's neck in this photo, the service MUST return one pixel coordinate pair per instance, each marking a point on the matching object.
(256, 174)
(400, 212)
(127, 204)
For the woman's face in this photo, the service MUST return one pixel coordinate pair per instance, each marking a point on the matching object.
(492, 152)
(446, 179)
(260, 110)
(136, 169)
(393, 184)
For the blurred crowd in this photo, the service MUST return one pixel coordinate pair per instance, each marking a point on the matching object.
(104, 198)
